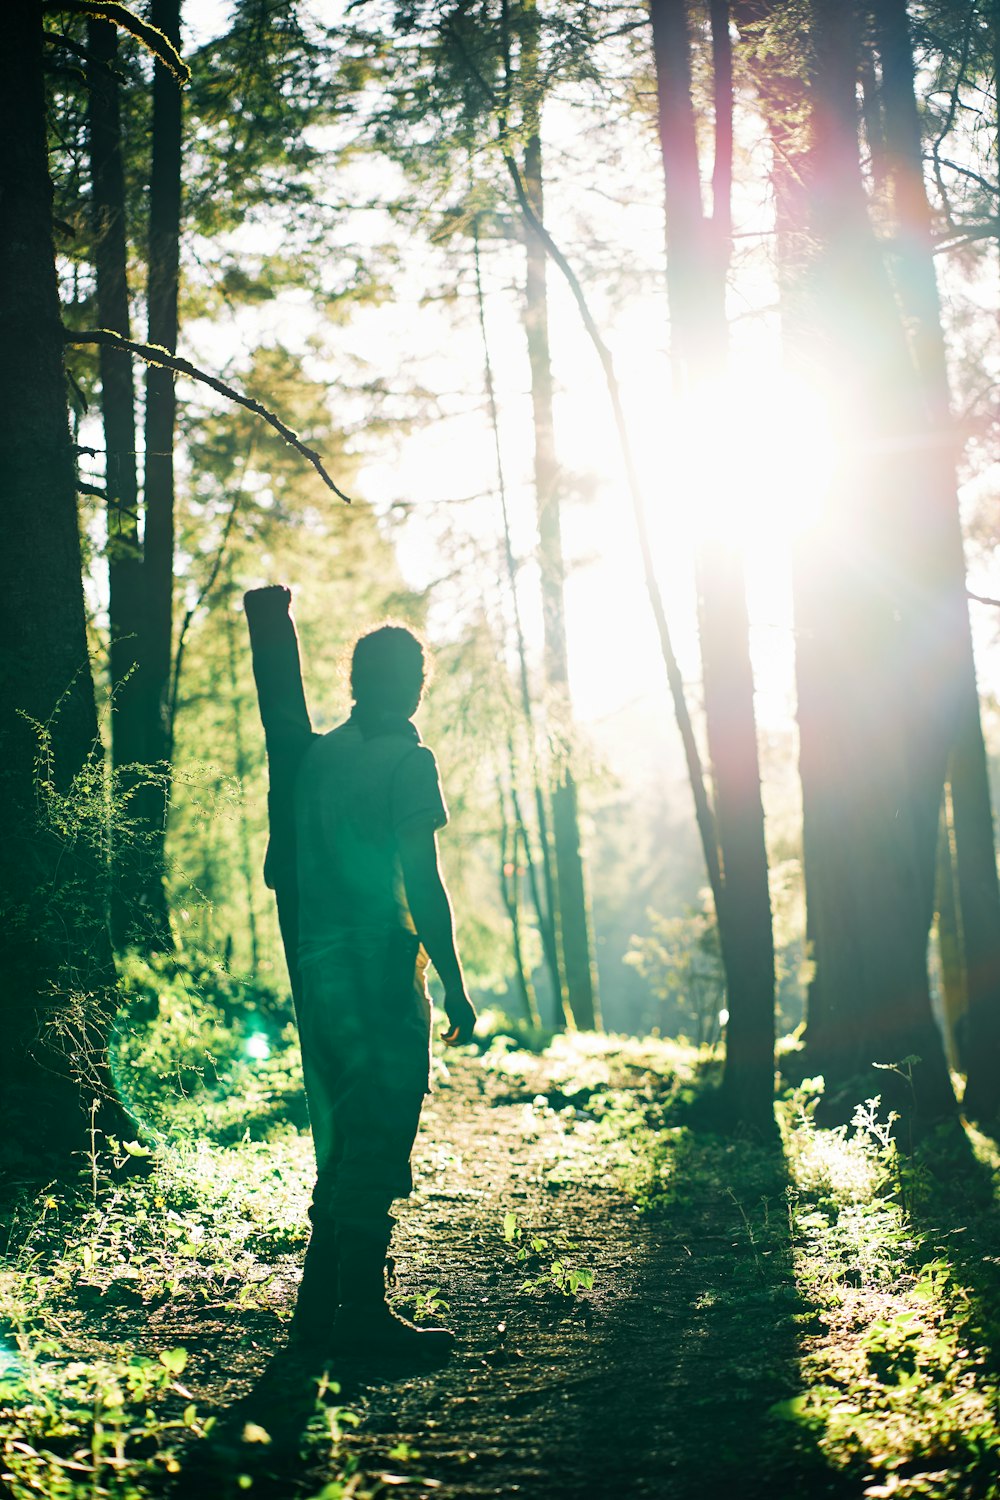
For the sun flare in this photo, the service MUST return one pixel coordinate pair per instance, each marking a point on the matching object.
(752, 462)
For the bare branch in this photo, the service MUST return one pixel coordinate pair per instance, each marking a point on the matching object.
(154, 354)
(973, 232)
(151, 37)
(989, 187)
(982, 598)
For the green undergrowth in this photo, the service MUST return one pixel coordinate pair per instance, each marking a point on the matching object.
(884, 1268)
(845, 1293)
(199, 1050)
(92, 1401)
(202, 1232)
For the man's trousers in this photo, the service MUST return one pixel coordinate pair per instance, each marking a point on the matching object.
(364, 1027)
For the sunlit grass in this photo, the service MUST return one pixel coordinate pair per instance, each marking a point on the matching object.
(879, 1266)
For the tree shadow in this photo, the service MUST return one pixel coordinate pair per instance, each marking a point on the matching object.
(714, 1323)
(955, 1215)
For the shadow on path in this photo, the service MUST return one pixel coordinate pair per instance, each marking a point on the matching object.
(702, 1344)
(660, 1382)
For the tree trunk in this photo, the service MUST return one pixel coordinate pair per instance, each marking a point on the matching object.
(545, 911)
(510, 853)
(869, 811)
(697, 257)
(873, 753)
(574, 918)
(942, 564)
(158, 487)
(56, 968)
(125, 589)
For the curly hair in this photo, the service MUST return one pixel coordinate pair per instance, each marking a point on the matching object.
(388, 670)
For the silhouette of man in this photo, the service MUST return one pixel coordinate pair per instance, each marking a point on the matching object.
(372, 908)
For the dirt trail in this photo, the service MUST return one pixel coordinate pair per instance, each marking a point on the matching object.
(657, 1382)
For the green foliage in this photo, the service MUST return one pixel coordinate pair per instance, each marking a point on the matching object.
(681, 962)
(90, 1429)
(897, 1374)
(197, 1048)
(544, 1259)
(84, 1417)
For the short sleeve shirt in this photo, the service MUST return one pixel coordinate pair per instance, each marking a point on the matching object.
(355, 795)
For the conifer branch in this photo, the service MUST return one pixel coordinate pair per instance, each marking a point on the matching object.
(155, 354)
(151, 37)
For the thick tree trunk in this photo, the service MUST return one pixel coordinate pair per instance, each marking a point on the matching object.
(125, 588)
(697, 254)
(574, 917)
(869, 810)
(869, 628)
(56, 969)
(978, 896)
(158, 488)
(942, 564)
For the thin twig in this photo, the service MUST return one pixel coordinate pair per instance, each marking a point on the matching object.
(982, 598)
(155, 354)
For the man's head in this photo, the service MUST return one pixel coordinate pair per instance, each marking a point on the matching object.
(387, 671)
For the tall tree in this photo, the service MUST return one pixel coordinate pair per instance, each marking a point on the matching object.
(56, 969)
(574, 917)
(158, 486)
(916, 285)
(865, 611)
(697, 264)
(125, 585)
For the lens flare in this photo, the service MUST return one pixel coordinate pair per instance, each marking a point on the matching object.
(753, 463)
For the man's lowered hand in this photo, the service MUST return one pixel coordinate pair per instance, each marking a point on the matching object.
(461, 1019)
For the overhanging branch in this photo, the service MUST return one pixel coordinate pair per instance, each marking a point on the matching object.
(154, 354)
(151, 37)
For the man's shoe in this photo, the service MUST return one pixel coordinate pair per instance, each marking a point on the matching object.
(372, 1331)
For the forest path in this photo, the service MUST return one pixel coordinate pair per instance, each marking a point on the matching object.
(656, 1382)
